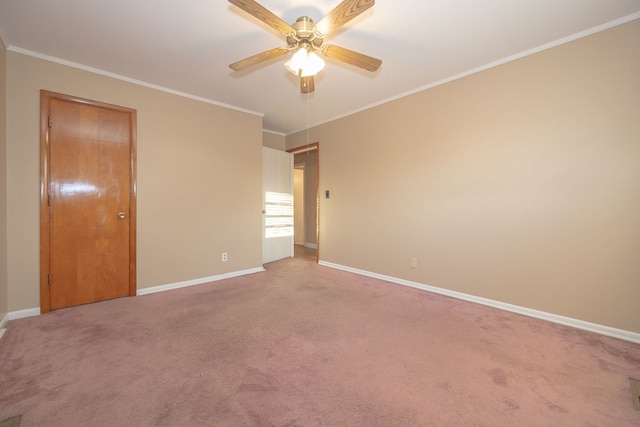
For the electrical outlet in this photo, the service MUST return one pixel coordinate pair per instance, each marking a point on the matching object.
(635, 393)
(225, 257)
(413, 262)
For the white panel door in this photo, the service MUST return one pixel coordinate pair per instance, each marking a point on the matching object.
(277, 199)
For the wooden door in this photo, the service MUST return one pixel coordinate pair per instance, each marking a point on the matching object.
(88, 212)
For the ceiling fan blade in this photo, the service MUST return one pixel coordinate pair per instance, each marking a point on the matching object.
(263, 56)
(307, 84)
(265, 15)
(351, 57)
(341, 14)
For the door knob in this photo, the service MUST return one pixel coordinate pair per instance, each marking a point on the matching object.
(122, 215)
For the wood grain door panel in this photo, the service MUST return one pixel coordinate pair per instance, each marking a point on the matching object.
(90, 194)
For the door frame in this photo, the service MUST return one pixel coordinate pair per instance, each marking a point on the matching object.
(45, 159)
(301, 149)
(299, 167)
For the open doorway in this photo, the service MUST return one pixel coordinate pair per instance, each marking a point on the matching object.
(306, 208)
(299, 228)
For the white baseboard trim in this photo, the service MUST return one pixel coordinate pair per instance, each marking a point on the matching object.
(3, 324)
(21, 314)
(30, 312)
(567, 321)
(171, 286)
(311, 245)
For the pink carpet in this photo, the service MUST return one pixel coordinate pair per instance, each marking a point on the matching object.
(305, 345)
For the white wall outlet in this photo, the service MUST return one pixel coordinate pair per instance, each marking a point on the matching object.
(413, 262)
(225, 257)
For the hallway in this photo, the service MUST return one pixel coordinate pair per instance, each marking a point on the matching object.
(303, 252)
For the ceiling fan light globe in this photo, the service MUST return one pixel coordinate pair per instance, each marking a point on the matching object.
(289, 65)
(297, 62)
(313, 66)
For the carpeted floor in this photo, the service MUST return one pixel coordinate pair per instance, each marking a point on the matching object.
(305, 345)
(10, 422)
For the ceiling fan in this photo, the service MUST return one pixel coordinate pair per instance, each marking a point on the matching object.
(305, 39)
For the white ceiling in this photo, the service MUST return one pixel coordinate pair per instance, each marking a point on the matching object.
(185, 46)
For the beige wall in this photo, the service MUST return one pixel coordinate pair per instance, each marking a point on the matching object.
(199, 178)
(4, 306)
(274, 140)
(520, 183)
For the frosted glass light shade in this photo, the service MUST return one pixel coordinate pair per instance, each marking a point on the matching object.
(304, 63)
(313, 66)
(297, 61)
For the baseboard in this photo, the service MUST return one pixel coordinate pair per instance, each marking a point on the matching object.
(311, 245)
(20, 314)
(3, 324)
(178, 285)
(30, 312)
(568, 321)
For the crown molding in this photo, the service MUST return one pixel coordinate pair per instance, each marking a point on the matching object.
(128, 79)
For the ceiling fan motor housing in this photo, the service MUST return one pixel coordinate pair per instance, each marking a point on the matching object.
(304, 34)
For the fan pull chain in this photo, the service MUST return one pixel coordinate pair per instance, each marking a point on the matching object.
(308, 121)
